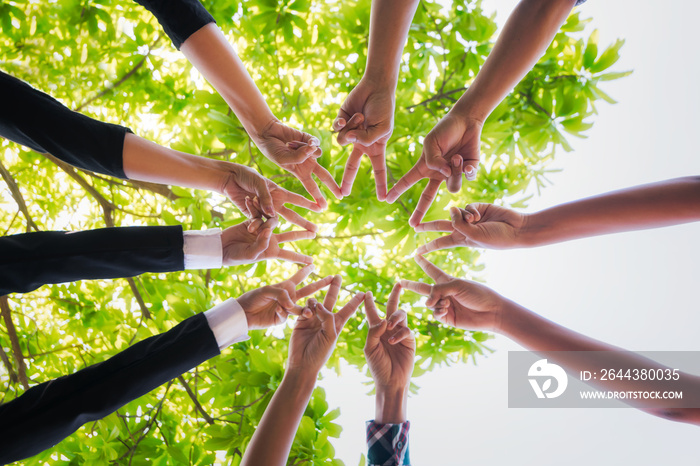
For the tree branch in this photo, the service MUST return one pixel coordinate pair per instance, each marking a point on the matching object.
(438, 96)
(14, 342)
(17, 196)
(8, 364)
(139, 299)
(197, 405)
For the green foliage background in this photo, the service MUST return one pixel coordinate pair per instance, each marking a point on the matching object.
(111, 60)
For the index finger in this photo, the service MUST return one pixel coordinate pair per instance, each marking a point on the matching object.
(288, 197)
(436, 225)
(443, 242)
(431, 269)
(371, 310)
(411, 177)
(312, 188)
(352, 165)
(301, 275)
(417, 287)
(379, 167)
(332, 295)
(312, 288)
(350, 308)
(293, 217)
(426, 199)
(392, 304)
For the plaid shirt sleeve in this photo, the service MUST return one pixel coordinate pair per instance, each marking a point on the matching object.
(387, 444)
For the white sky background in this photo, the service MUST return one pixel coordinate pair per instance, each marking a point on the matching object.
(635, 290)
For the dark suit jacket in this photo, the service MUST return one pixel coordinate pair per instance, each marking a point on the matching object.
(30, 260)
(47, 413)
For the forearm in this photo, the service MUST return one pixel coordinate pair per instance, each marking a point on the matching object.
(211, 53)
(524, 39)
(273, 438)
(390, 405)
(648, 206)
(389, 24)
(576, 353)
(147, 161)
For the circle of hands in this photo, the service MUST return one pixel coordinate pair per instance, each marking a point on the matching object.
(365, 120)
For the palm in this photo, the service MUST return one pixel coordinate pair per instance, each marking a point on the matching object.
(273, 141)
(497, 228)
(311, 345)
(456, 136)
(389, 362)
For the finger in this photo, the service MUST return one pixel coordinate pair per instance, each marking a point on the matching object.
(436, 295)
(366, 136)
(290, 236)
(293, 256)
(431, 269)
(392, 304)
(454, 181)
(289, 197)
(434, 159)
(426, 199)
(412, 177)
(353, 123)
(254, 225)
(339, 123)
(417, 287)
(472, 213)
(308, 182)
(298, 155)
(262, 242)
(374, 334)
(263, 192)
(301, 275)
(470, 169)
(295, 144)
(349, 309)
(293, 217)
(459, 223)
(325, 316)
(351, 167)
(327, 179)
(312, 288)
(379, 167)
(371, 310)
(283, 299)
(253, 207)
(437, 225)
(332, 295)
(397, 318)
(444, 242)
(281, 316)
(401, 334)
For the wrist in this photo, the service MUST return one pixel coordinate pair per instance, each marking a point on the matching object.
(470, 107)
(528, 234)
(381, 79)
(509, 318)
(300, 378)
(257, 125)
(391, 404)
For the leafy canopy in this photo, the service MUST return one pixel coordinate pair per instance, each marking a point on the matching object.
(111, 60)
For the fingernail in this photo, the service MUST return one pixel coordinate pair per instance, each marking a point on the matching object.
(455, 163)
(392, 340)
(315, 141)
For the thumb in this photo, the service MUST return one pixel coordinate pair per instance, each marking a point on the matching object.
(265, 198)
(297, 154)
(459, 223)
(262, 242)
(434, 159)
(436, 294)
(366, 137)
(375, 333)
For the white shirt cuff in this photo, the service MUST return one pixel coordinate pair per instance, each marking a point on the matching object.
(203, 249)
(228, 323)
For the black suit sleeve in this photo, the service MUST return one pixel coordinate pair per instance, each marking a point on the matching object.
(179, 18)
(47, 413)
(40, 122)
(30, 260)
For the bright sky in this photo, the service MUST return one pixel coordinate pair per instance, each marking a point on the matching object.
(635, 290)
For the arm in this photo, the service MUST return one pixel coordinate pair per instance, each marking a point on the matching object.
(313, 340)
(49, 412)
(468, 305)
(452, 147)
(390, 351)
(654, 205)
(366, 118)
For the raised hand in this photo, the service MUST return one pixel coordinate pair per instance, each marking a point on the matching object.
(271, 305)
(366, 120)
(317, 329)
(477, 225)
(391, 347)
(240, 182)
(449, 150)
(296, 152)
(459, 303)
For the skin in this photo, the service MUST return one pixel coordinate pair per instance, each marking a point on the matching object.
(655, 205)
(451, 148)
(390, 351)
(146, 161)
(313, 340)
(366, 118)
(468, 305)
(295, 151)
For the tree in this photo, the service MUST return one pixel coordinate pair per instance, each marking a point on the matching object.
(111, 60)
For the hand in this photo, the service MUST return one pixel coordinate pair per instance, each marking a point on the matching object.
(317, 330)
(296, 152)
(253, 240)
(459, 303)
(239, 182)
(391, 347)
(272, 304)
(366, 120)
(449, 150)
(477, 225)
